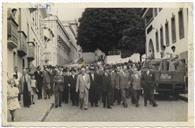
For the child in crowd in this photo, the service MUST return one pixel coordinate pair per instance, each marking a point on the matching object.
(12, 98)
(33, 86)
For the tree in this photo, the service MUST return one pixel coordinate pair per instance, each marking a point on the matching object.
(103, 28)
(133, 40)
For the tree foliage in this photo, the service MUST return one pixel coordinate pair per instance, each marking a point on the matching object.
(106, 29)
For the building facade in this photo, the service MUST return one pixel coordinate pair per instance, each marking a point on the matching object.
(23, 37)
(71, 29)
(58, 50)
(168, 27)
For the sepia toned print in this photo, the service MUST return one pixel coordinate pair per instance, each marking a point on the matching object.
(122, 64)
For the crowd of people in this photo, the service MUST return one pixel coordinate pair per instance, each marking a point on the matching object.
(82, 86)
(93, 84)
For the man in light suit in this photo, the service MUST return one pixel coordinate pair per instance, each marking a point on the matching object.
(82, 86)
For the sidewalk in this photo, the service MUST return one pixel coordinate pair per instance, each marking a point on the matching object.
(35, 113)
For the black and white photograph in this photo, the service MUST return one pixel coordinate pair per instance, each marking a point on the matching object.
(96, 62)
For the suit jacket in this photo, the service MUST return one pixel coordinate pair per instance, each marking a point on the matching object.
(147, 79)
(117, 78)
(66, 80)
(21, 82)
(98, 81)
(92, 81)
(124, 80)
(106, 83)
(46, 78)
(136, 81)
(113, 79)
(39, 77)
(58, 83)
(73, 81)
(83, 85)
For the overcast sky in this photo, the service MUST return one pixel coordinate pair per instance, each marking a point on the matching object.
(68, 13)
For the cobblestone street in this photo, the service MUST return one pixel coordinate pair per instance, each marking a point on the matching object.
(166, 111)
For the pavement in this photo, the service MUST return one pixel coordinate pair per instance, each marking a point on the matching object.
(43, 110)
(167, 110)
(35, 113)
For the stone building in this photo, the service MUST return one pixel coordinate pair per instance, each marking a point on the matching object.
(24, 37)
(166, 26)
(58, 50)
(71, 29)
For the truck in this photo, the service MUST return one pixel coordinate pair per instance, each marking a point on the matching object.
(166, 82)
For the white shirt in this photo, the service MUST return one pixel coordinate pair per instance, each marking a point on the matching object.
(92, 75)
(84, 77)
(167, 53)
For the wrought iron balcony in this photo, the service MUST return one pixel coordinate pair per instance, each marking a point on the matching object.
(22, 49)
(12, 33)
(31, 52)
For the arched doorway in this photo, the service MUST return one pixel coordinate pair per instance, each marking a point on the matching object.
(151, 46)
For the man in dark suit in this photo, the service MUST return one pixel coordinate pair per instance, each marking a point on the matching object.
(73, 94)
(92, 87)
(106, 88)
(98, 75)
(147, 80)
(39, 80)
(66, 85)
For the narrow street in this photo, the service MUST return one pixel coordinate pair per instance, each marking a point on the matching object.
(166, 111)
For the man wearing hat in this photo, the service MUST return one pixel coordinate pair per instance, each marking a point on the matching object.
(92, 86)
(66, 85)
(73, 94)
(147, 82)
(106, 89)
(39, 80)
(83, 86)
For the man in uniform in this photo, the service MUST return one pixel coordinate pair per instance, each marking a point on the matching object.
(58, 88)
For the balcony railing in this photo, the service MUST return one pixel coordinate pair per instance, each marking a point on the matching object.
(22, 49)
(31, 53)
(12, 33)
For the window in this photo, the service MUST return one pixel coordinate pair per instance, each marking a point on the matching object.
(167, 33)
(157, 42)
(181, 24)
(173, 29)
(161, 37)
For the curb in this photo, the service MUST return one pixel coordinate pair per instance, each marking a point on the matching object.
(183, 98)
(47, 112)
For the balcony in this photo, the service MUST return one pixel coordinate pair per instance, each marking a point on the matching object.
(22, 49)
(12, 33)
(31, 52)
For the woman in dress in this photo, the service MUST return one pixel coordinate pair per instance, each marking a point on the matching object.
(12, 98)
